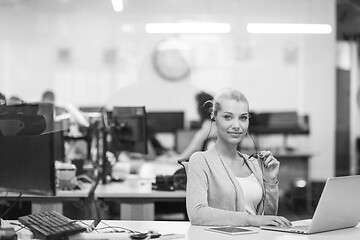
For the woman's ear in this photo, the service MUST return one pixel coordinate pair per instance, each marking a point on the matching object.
(212, 117)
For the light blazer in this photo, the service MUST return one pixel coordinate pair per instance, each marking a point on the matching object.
(215, 197)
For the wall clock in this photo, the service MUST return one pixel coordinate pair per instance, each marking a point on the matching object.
(170, 59)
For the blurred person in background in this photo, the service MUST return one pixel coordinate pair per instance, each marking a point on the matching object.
(49, 97)
(15, 100)
(205, 136)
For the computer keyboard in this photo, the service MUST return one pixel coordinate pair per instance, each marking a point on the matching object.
(301, 227)
(51, 225)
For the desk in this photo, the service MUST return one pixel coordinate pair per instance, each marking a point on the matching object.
(184, 230)
(47, 203)
(136, 202)
(294, 165)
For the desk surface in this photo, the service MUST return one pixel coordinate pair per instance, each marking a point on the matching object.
(184, 230)
(138, 187)
(125, 190)
(60, 194)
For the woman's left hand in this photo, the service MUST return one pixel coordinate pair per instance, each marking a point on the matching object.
(271, 166)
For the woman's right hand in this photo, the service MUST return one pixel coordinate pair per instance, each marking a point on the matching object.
(257, 220)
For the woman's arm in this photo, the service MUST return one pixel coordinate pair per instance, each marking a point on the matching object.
(271, 198)
(270, 170)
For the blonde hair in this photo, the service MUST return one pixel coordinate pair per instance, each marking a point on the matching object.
(229, 94)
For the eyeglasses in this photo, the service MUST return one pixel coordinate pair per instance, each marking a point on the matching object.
(256, 154)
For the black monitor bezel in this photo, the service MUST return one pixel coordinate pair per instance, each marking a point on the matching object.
(131, 113)
(165, 121)
(47, 186)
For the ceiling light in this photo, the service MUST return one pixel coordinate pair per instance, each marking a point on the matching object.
(187, 28)
(288, 28)
(118, 5)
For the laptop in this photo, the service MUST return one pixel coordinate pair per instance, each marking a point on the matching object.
(338, 208)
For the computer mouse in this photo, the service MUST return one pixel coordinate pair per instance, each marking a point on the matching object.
(145, 235)
(154, 234)
(138, 235)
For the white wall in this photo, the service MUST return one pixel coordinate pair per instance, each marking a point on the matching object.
(69, 46)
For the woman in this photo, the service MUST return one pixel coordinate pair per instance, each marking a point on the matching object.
(225, 186)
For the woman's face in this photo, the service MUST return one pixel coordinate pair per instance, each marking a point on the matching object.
(232, 121)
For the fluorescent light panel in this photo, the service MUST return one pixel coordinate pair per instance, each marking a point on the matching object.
(289, 28)
(118, 5)
(187, 28)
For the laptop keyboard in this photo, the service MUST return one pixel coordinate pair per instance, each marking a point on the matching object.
(300, 227)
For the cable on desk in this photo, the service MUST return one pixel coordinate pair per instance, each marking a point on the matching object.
(111, 227)
(90, 227)
(126, 229)
(22, 226)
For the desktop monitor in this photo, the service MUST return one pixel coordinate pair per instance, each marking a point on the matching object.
(165, 121)
(21, 120)
(59, 145)
(33, 119)
(92, 109)
(128, 129)
(286, 122)
(47, 110)
(37, 118)
(27, 164)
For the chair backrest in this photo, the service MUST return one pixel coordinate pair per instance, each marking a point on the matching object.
(183, 162)
(180, 175)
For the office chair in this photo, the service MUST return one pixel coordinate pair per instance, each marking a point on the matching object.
(183, 162)
(171, 209)
(180, 175)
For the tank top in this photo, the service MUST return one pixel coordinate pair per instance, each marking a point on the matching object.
(252, 192)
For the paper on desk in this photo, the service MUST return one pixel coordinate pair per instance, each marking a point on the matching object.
(173, 236)
(151, 170)
(99, 236)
